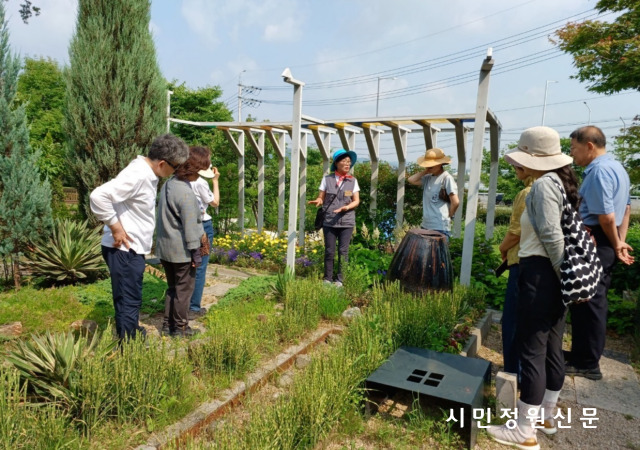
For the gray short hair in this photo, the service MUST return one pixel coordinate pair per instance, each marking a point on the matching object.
(169, 148)
(591, 134)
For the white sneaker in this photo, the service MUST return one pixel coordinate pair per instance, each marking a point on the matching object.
(514, 437)
(337, 284)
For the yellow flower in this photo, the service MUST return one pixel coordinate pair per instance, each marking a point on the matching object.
(263, 250)
(314, 251)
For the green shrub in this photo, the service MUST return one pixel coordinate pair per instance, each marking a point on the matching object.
(27, 426)
(73, 253)
(332, 302)
(357, 280)
(301, 311)
(485, 260)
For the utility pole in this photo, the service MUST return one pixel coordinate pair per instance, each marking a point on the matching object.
(544, 105)
(588, 121)
(378, 92)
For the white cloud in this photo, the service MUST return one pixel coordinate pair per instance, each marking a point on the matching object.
(215, 20)
(201, 16)
(285, 31)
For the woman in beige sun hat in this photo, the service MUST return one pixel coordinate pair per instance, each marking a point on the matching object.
(439, 191)
(540, 312)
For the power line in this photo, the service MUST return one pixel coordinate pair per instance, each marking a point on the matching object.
(409, 41)
(441, 61)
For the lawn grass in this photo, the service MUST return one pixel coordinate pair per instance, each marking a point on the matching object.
(55, 308)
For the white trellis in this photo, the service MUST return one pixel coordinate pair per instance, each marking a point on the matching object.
(302, 126)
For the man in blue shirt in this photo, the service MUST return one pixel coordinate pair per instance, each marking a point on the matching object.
(605, 209)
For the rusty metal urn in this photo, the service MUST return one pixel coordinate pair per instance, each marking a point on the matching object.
(422, 262)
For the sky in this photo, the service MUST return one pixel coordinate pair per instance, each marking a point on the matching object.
(425, 55)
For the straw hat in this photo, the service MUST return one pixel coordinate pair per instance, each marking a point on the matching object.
(341, 154)
(433, 157)
(538, 149)
(207, 173)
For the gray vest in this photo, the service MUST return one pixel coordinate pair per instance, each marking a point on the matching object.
(331, 202)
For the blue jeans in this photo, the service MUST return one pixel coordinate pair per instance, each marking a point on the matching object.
(126, 270)
(509, 319)
(201, 272)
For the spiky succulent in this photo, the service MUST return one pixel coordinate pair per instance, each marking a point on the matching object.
(73, 253)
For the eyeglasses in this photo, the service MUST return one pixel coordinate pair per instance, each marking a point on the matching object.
(171, 165)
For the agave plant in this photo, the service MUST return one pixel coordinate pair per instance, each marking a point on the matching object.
(72, 253)
(48, 365)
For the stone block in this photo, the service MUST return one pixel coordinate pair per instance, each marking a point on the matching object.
(506, 390)
(471, 347)
(12, 329)
(303, 361)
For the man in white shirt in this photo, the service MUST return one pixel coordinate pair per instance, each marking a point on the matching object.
(126, 205)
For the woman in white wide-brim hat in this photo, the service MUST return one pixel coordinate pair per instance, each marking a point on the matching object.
(540, 310)
(439, 191)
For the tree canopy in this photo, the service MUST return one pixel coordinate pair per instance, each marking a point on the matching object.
(116, 96)
(25, 200)
(606, 54)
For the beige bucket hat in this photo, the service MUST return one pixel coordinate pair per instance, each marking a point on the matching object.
(433, 157)
(538, 149)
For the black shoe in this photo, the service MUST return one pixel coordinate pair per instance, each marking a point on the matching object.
(591, 374)
(184, 332)
(195, 314)
(166, 331)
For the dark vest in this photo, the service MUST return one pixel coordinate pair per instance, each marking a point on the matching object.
(331, 202)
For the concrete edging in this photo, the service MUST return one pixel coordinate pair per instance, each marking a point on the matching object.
(478, 334)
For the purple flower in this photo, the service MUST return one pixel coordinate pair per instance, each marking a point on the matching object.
(232, 254)
(256, 255)
(304, 261)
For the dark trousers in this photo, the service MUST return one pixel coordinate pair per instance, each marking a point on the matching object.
(589, 319)
(181, 278)
(127, 270)
(541, 316)
(509, 320)
(343, 237)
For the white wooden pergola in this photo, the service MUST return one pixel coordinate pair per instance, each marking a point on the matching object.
(302, 127)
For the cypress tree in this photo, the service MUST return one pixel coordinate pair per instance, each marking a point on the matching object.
(25, 201)
(116, 96)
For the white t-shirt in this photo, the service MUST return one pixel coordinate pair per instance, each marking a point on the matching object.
(323, 184)
(204, 195)
(435, 212)
(131, 199)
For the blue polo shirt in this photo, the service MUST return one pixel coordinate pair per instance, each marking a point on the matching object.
(604, 190)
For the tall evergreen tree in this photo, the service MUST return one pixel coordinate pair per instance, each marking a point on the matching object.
(116, 96)
(25, 201)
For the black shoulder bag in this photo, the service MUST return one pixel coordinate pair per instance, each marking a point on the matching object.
(321, 213)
